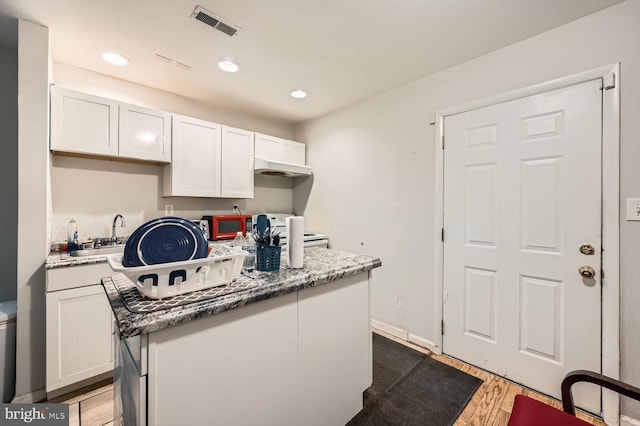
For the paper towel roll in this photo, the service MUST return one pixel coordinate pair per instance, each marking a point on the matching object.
(295, 241)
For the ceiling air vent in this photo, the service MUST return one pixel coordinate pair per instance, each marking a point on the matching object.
(214, 21)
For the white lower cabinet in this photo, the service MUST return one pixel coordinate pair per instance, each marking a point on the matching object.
(298, 359)
(79, 335)
(234, 368)
(79, 332)
(334, 341)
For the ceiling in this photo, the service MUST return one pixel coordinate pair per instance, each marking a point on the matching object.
(339, 51)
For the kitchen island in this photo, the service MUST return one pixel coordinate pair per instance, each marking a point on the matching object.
(291, 347)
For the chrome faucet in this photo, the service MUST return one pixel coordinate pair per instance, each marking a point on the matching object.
(114, 239)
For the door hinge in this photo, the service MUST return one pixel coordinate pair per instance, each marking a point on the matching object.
(601, 276)
(442, 327)
(609, 81)
(442, 140)
(442, 234)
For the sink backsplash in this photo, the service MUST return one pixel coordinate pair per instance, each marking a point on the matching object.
(93, 191)
(88, 243)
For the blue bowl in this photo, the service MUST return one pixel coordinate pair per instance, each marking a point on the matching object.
(164, 240)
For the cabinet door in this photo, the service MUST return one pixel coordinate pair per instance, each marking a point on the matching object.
(268, 147)
(278, 149)
(144, 134)
(235, 368)
(293, 152)
(79, 335)
(237, 163)
(334, 348)
(195, 162)
(78, 276)
(83, 123)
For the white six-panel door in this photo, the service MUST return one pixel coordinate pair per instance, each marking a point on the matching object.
(522, 193)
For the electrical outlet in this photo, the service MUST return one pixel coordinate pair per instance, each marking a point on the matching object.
(235, 207)
(633, 209)
(168, 210)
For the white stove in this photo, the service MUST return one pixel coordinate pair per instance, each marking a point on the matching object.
(279, 224)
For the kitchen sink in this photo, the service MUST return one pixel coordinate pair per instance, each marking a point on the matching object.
(117, 248)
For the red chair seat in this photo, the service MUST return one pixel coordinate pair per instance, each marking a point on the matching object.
(529, 412)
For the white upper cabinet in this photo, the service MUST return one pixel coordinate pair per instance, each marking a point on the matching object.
(209, 160)
(83, 123)
(268, 147)
(87, 124)
(195, 162)
(293, 152)
(144, 133)
(237, 163)
(277, 149)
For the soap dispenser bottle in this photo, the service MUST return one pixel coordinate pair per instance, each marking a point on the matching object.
(72, 232)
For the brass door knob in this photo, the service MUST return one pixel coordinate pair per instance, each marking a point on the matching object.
(587, 272)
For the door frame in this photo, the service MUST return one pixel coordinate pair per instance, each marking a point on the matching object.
(610, 214)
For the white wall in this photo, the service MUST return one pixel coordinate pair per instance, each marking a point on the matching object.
(32, 246)
(373, 188)
(94, 191)
(9, 168)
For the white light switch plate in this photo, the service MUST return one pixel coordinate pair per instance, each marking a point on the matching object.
(633, 209)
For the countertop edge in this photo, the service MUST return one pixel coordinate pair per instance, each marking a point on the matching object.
(132, 324)
(58, 261)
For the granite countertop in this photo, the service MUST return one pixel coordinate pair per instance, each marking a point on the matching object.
(64, 260)
(321, 266)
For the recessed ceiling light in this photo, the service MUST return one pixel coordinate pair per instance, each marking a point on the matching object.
(115, 58)
(299, 94)
(228, 65)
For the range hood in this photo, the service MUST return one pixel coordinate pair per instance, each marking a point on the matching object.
(278, 168)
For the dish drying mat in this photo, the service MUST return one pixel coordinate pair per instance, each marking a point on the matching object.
(135, 302)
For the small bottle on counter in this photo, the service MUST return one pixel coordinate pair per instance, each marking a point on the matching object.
(238, 241)
(250, 247)
(72, 231)
(72, 235)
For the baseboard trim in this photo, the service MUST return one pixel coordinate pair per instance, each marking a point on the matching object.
(628, 421)
(403, 334)
(31, 397)
(421, 341)
(389, 329)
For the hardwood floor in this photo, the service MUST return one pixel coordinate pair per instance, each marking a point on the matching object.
(490, 405)
(91, 406)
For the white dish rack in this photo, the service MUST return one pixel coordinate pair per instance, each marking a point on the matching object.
(171, 279)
